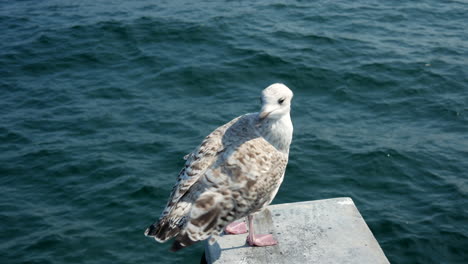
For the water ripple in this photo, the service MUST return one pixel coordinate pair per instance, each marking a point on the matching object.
(101, 101)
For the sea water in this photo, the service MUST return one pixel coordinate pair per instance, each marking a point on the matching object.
(100, 101)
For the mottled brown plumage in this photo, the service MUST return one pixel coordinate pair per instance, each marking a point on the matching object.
(236, 171)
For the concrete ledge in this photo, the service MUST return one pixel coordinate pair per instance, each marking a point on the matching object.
(323, 231)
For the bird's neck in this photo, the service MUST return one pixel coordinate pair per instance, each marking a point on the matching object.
(278, 132)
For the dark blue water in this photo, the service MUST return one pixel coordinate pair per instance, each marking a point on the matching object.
(100, 100)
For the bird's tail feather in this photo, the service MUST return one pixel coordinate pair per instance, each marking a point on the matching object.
(162, 230)
(205, 220)
(170, 223)
(181, 242)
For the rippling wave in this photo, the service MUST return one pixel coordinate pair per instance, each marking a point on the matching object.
(102, 100)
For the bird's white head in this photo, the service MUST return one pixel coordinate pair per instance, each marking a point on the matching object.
(276, 101)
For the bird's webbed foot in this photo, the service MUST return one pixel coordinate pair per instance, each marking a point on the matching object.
(262, 240)
(236, 228)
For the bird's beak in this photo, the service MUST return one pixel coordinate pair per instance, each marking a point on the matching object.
(265, 111)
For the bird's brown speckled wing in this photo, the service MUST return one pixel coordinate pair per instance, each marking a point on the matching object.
(197, 162)
(243, 181)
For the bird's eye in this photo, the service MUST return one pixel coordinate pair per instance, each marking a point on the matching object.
(280, 101)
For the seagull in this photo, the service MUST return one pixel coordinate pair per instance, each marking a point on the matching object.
(234, 173)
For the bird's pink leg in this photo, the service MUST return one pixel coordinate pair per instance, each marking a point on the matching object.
(259, 240)
(236, 228)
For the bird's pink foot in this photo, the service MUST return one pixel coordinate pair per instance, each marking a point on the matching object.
(236, 228)
(262, 240)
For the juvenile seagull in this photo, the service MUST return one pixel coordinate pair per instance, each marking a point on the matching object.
(235, 172)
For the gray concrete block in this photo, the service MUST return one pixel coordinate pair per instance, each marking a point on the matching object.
(323, 231)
